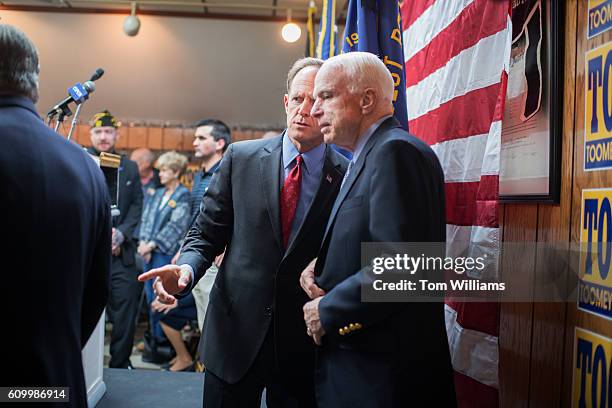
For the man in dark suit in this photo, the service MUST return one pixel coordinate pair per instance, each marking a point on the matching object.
(374, 354)
(269, 204)
(57, 227)
(125, 289)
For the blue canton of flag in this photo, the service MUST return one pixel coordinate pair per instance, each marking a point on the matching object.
(375, 26)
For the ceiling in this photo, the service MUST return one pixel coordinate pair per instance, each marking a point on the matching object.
(175, 71)
(239, 9)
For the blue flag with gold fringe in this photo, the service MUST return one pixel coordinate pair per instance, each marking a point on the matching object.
(310, 39)
(326, 46)
(375, 26)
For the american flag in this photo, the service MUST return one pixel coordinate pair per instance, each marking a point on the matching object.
(457, 54)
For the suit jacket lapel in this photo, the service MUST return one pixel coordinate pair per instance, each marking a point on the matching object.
(270, 160)
(356, 170)
(331, 176)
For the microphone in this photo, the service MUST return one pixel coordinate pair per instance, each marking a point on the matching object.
(77, 94)
(96, 75)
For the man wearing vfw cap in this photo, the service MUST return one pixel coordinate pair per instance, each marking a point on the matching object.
(125, 289)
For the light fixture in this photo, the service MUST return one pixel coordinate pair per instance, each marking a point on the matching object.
(291, 32)
(131, 24)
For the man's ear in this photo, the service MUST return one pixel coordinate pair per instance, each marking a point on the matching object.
(286, 103)
(369, 98)
(220, 145)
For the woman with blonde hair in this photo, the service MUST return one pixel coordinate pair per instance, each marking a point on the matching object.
(164, 222)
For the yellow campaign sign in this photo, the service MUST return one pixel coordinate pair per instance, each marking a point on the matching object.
(592, 378)
(598, 109)
(599, 17)
(595, 285)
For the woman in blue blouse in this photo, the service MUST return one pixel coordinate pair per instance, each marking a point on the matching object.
(163, 225)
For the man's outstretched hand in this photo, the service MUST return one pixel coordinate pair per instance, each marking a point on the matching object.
(169, 280)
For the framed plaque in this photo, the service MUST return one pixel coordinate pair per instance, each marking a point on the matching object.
(530, 168)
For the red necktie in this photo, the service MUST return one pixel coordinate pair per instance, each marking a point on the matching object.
(290, 195)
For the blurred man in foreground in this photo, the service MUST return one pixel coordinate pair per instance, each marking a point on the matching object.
(374, 354)
(56, 214)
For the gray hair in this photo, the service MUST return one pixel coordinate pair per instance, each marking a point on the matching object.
(365, 70)
(173, 160)
(300, 65)
(18, 64)
(142, 153)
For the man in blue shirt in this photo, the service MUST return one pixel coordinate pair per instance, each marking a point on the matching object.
(211, 139)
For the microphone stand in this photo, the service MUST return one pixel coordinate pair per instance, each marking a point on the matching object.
(74, 121)
(63, 112)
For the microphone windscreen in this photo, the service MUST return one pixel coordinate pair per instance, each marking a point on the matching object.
(96, 75)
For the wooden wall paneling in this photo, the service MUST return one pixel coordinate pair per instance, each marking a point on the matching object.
(502, 212)
(122, 140)
(172, 139)
(549, 319)
(137, 137)
(520, 225)
(582, 180)
(81, 135)
(187, 140)
(240, 135)
(155, 138)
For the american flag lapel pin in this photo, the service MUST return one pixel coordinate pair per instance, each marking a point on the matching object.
(328, 178)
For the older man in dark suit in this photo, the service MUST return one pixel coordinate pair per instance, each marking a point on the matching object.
(57, 225)
(374, 354)
(269, 204)
(125, 289)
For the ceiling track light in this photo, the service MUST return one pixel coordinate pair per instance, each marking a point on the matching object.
(291, 32)
(131, 24)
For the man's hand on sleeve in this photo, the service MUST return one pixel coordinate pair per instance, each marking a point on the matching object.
(307, 281)
(117, 240)
(313, 323)
(145, 248)
(169, 280)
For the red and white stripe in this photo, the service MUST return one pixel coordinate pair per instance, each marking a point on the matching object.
(457, 54)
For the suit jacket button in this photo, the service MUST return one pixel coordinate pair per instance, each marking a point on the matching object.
(268, 312)
(346, 329)
(352, 326)
(341, 332)
(357, 326)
